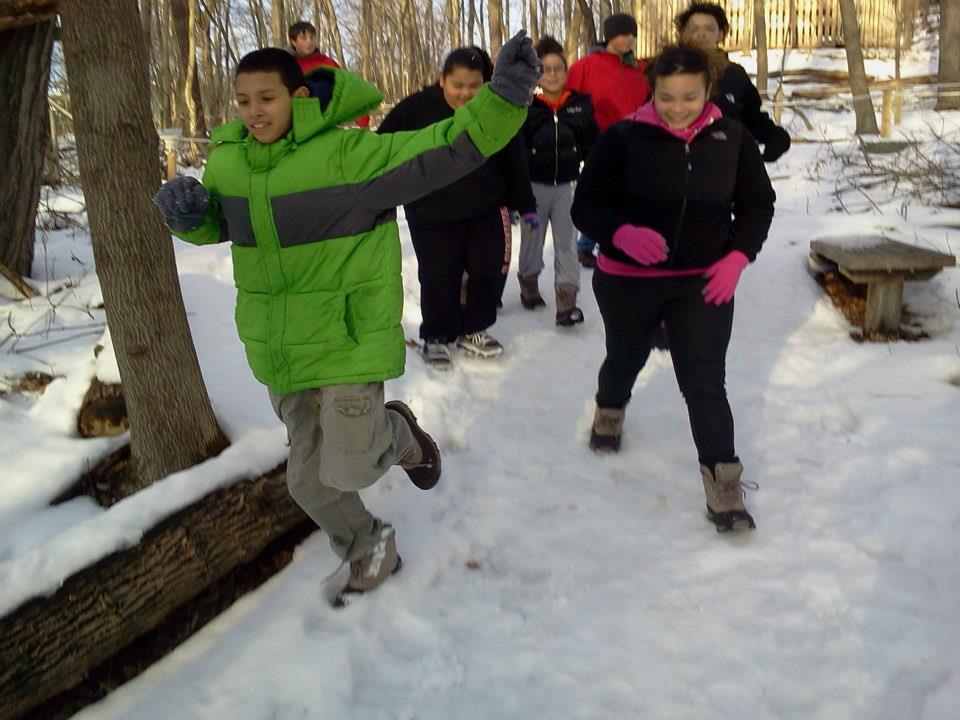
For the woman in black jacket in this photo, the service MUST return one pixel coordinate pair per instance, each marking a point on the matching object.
(704, 25)
(558, 134)
(460, 228)
(679, 201)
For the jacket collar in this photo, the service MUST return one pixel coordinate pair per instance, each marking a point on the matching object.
(647, 115)
(554, 106)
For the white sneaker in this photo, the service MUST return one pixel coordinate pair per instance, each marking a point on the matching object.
(481, 344)
(437, 355)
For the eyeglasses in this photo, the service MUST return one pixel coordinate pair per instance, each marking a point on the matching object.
(553, 69)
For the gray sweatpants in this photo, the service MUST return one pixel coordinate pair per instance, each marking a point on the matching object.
(553, 207)
(342, 439)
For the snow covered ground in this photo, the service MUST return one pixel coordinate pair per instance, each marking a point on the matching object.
(541, 580)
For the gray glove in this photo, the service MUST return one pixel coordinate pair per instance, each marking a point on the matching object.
(183, 202)
(517, 70)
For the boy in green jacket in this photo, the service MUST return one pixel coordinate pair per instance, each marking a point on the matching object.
(310, 210)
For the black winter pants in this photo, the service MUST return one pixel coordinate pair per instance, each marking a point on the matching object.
(632, 310)
(444, 252)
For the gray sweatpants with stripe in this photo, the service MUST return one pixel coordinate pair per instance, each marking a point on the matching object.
(342, 440)
(553, 207)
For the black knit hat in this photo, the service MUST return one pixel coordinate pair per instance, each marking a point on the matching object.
(618, 24)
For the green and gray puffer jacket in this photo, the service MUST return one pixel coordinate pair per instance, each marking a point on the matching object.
(312, 222)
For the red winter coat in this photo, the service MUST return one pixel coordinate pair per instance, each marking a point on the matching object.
(318, 59)
(615, 89)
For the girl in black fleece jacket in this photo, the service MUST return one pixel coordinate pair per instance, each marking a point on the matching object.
(460, 228)
(678, 198)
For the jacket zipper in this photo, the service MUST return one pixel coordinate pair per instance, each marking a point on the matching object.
(683, 205)
(556, 147)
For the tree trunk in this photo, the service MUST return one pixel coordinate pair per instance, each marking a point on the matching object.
(534, 24)
(185, 28)
(949, 68)
(331, 15)
(862, 104)
(453, 23)
(24, 74)
(760, 33)
(172, 425)
(495, 25)
(586, 14)
(278, 28)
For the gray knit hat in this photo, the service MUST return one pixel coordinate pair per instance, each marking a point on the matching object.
(618, 24)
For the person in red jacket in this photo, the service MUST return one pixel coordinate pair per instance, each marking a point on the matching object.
(613, 78)
(303, 46)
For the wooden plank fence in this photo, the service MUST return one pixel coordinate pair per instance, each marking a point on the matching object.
(816, 23)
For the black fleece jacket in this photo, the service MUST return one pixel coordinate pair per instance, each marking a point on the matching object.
(558, 142)
(503, 180)
(706, 198)
(737, 98)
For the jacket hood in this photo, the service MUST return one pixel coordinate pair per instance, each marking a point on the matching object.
(352, 96)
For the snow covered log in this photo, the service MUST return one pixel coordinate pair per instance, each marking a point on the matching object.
(48, 645)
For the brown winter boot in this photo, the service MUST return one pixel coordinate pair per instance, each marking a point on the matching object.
(567, 311)
(421, 461)
(530, 296)
(369, 571)
(607, 426)
(725, 497)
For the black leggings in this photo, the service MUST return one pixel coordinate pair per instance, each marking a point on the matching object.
(632, 310)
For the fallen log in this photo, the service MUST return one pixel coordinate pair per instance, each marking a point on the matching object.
(19, 284)
(49, 645)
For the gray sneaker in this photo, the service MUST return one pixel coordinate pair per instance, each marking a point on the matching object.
(724, 492)
(482, 344)
(436, 354)
(369, 572)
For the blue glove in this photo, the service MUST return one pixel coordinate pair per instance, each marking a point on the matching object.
(517, 70)
(183, 202)
(531, 220)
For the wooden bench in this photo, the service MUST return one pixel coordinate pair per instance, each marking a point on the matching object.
(882, 265)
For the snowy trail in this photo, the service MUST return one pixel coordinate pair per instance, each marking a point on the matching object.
(542, 581)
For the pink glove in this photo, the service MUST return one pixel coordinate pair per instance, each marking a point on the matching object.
(643, 244)
(724, 275)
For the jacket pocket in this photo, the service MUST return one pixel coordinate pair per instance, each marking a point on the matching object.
(373, 307)
(315, 318)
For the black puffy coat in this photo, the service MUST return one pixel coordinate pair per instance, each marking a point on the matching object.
(706, 198)
(558, 141)
(503, 180)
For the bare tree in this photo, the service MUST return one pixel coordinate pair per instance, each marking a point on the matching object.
(495, 22)
(24, 74)
(172, 425)
(760, 33)
(862, 104)
(948, 72)
(589, 26)
(185, 16)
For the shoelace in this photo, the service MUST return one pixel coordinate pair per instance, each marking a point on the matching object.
(406, 465)
(735, 491)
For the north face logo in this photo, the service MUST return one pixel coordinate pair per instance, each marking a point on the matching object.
(730, 97)
(719, 135)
